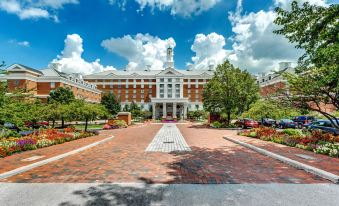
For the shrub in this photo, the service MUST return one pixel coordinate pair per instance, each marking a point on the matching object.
(328, 149)
(252, 134)
(216, 124)
(291, 140)
(265, 132)
(120, 123)
(293, 132)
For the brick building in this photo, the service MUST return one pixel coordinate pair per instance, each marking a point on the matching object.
(167, 92)
(41, 82)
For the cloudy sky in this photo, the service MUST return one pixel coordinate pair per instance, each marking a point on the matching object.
(91, 36)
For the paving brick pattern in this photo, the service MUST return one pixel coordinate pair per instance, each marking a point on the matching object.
(168, 139)
(320, 161)
(16, 160)
(123, 159)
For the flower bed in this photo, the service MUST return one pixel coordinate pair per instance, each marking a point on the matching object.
(317, 141)
(39, 139)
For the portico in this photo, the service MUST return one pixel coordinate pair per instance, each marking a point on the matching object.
(169, 108)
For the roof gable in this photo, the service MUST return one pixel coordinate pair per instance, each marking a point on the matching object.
(170, 72)
(20, 67)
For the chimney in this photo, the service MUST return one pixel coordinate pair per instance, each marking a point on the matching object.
(211, 67)
(189, 67)
(148, 68)
(284, 65)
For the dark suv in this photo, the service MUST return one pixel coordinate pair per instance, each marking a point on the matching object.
(302, 120)
(323, 125)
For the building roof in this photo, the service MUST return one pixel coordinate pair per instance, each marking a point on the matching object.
(112, 73)
(29, 68)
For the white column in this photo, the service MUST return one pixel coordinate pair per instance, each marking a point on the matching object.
(158, 88)
(173, 90)
(164, 112)
(174, 110)
(181, 89)
(185, 111)
(153, 111)
(165, 88)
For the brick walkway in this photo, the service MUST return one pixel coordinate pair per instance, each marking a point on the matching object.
(123, 159)
(320, 161)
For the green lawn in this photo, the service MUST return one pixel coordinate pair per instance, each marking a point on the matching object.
(90, 126)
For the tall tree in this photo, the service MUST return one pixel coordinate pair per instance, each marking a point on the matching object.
(111, 103)
(314, 29)
(265, 108)
(61, 96)
(230, 91)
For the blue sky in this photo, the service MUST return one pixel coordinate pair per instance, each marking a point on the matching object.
(36, 40)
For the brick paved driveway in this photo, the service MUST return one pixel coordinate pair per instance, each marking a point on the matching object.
(123, 159)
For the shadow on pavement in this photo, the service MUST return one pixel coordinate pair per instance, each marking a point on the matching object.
(118, 194)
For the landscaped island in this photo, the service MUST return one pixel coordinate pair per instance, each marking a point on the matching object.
(39, 139)
(317, 141)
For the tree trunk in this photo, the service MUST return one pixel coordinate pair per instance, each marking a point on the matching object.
(86, 124)
(62, 122)
(53, 123)
(228, 118)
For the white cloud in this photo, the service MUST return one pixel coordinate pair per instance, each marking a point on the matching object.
(71, 61)
(185, 8)
(20, 43)
(34, 9)
(140, 50)
(208, 50)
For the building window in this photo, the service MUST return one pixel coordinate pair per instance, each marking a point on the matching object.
(126, 91)
(269, 78)
(177, 80)
(150, 86)
(162, 80)
(134, 91)
(197, 91)
(142, 96)
(119, 86)
(177, 90)
(52, 85)
(134, 96)
(169, 90)
(142, 91)
(169, 80)
(119, 91)
(126, 96)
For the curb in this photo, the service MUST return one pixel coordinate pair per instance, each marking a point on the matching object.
(319, 172)
(52, 159)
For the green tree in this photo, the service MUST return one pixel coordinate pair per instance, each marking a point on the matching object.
(111, 103)
(135, 110)
(314, 29)
(81, 110)
(61, 96)
(230, 91)
(269, 109)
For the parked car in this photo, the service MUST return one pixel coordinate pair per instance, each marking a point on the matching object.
(302, 120)
(247, 123)
(323, 125)
(37, 125)
(267, 122)
(11, 126)
(287, 123)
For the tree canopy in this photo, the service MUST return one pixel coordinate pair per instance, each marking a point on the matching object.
(61, 95)
(270, 109)
(314, 29)
(111, 103)
(230, 91)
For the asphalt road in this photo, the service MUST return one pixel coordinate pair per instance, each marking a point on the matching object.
(183, 194)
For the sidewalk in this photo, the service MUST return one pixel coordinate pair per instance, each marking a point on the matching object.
(319, 161)
(15, 161)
